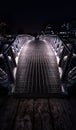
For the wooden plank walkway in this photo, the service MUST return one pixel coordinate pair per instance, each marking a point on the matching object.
(38, 114)
(37, 73)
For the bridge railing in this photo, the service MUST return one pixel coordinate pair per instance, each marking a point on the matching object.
(6, 51)
(66, 57)
(10, 46)
(20, 41)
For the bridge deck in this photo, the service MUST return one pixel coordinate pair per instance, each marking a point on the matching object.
(39, 65)
(37, 73)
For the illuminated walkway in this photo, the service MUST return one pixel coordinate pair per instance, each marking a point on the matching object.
(37, 73)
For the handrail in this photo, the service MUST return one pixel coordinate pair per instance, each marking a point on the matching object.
(65, 45)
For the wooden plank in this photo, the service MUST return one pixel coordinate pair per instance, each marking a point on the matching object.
(7, 114)
(24, 115)
(41, 115)
(61, 113)
(38, 114)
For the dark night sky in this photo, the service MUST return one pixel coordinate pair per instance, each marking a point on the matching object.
(31, 16)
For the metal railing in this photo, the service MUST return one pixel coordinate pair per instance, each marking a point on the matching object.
(6, 49)
(69, 49)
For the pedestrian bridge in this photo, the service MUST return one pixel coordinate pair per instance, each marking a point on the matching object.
(31, 95)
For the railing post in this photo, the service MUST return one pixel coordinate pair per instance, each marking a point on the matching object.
(62, 56)
(8, 68)
(67, 67)
(12, 56)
